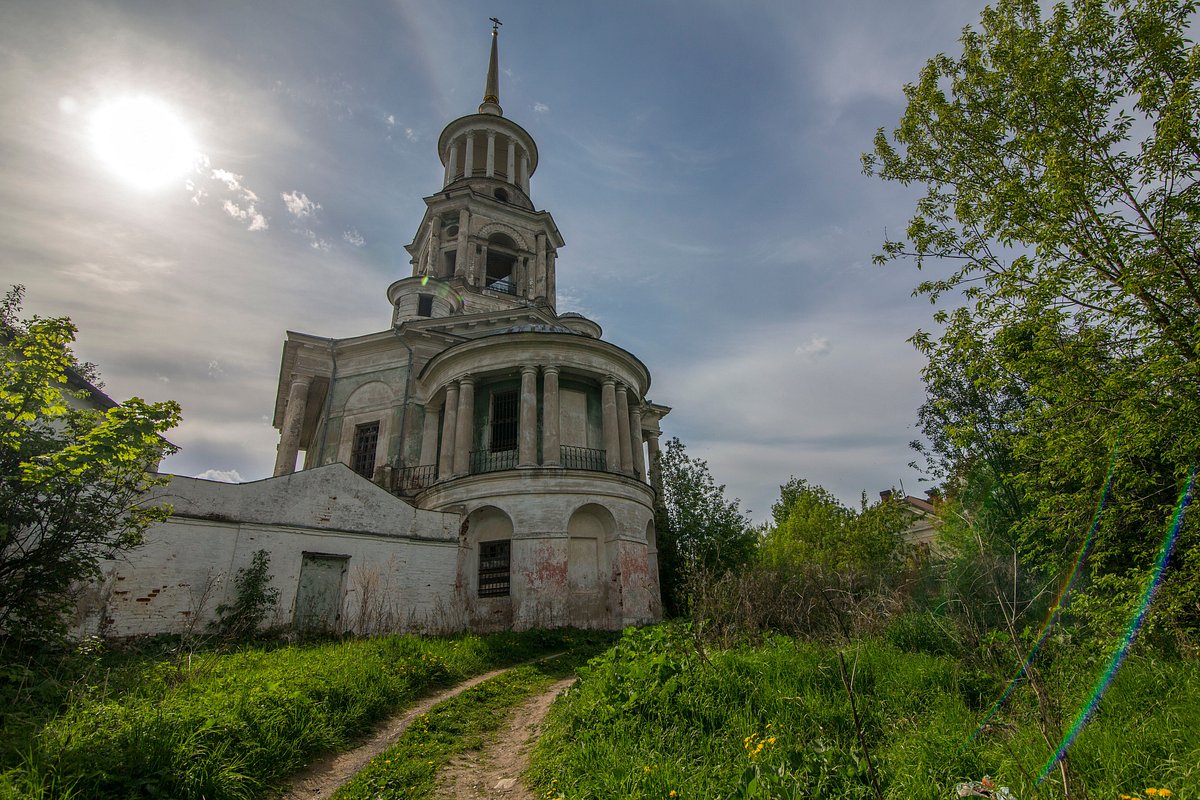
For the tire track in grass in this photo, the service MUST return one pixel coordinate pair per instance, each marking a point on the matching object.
(320, 779)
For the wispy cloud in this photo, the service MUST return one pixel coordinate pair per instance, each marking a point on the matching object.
(221, 475)
(298, 204)
(249, 214)
(353, 237)
(815, 348)
(540, 108)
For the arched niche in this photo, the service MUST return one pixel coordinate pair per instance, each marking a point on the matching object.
(489, 544)
(368, 397)
(591, 551)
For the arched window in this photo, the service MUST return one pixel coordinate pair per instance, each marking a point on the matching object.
(501, 262)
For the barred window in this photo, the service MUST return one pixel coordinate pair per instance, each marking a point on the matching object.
(366, 441)
(493, 568)
(504, 421)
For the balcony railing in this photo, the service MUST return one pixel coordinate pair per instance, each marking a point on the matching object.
(411, 480)
(487, 461)
(504, 285)
(582, 458)
(414, 480)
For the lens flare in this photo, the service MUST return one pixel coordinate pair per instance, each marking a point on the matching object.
(1057, 606)
(1131, 632)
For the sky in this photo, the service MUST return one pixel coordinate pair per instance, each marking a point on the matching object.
(701, 160)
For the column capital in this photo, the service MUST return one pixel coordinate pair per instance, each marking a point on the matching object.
(466, 379)
(299, 378)
(608, 380)
(527, 368)
(491, 134)
(550, 369)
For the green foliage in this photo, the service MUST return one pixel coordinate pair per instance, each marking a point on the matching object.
(1059, 154)
(700, 532)
(255, 601)
(773, 721)
(809, 526)
(104, 725)
(71, 479)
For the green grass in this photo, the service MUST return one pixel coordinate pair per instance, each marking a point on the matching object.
(222, 725)
(653, 717)
(409, 768)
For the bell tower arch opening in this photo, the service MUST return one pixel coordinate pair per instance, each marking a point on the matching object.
(502, 258)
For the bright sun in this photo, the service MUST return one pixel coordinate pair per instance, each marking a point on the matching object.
(143, 141)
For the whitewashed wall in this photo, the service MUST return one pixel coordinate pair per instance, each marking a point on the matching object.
(401, 560)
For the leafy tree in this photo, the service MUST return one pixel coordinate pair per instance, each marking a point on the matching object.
(1060, 156)
(71, 479)
(700, 532)
(810, 528)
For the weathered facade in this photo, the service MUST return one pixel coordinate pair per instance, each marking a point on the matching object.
(479, 403)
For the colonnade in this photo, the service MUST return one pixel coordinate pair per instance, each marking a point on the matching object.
(465, 144)
(293, 422)
(621, 426)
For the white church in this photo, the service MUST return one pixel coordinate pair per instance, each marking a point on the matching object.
(483, 463)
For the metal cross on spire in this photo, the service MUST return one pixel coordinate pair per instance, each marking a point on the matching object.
(495, 24)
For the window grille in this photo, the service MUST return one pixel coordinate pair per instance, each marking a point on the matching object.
(493, 568)
(504, 421)
(362, 457)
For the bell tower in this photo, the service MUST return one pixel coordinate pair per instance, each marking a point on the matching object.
(481, 233)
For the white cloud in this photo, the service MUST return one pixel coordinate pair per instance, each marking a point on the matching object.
(214, 369)
(298, 204)
(122, 276)
(391, 119)
(221, 475)
(814, 348)
(250, 215)
(410, 135)
(230, 179)
(353, 237)
(541, 108)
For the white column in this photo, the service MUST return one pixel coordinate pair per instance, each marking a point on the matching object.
(608, 425)
(655, 462)
(512, 154)
(449, 424)
(635, 440)
(429, 434)
(452, 164)
(464, 242)
(468, 154)
(479, 274)
(623, 430)
(464, 430)
(525, 172)
(293, 422)
(527, 430)
(550, 417)
(491, 154)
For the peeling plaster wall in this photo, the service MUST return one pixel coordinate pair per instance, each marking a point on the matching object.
(401, 560)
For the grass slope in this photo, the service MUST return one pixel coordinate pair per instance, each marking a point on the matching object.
(653, 718)
(220, 725)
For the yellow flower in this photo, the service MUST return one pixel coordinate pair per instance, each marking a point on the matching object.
(1164, 792)
(1151, 792)
(771, 740)
(646, 770)
(674, 793)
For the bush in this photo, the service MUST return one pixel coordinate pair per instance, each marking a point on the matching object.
(255, 601)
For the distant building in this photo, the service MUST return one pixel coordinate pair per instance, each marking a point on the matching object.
(922, 532)
(482, 463)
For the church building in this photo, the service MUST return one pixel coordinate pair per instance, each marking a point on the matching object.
(482, 463)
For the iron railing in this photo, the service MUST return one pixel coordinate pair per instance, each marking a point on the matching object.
(410, 480)
(582, 458)
(504, 285)
(487, 461)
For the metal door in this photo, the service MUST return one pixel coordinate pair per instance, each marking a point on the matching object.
(319, 594)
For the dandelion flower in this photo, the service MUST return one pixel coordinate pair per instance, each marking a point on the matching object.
(674, 793)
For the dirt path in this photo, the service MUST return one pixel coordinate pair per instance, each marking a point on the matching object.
(320, 779)
(495, 771)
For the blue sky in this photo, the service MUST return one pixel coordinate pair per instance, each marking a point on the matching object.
(701, 160)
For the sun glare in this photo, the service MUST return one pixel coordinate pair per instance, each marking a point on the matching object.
(143, 141)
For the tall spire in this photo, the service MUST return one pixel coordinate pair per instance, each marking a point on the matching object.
(491, 90)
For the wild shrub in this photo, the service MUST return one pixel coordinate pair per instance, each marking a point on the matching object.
(255, 600)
